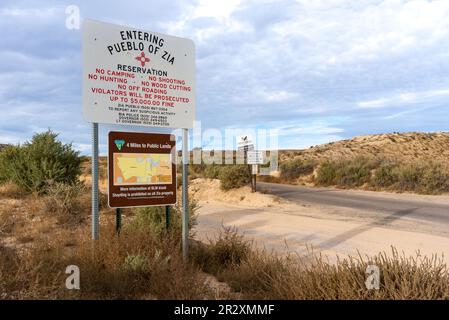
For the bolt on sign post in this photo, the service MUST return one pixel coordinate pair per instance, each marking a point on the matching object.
(139, 78)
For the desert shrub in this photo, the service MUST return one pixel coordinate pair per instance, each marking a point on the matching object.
(153, 218)
(66, 201)
(353, 172)
(234, 176)
(293, 169)
(385, 176)
(212, 171)
(42, 160)
(326, 174)
(435, 178)
(422, 177)
(227, 249)
(409, 176)
(7, 157)
(265, 275)
(346, 172)
(196, 170)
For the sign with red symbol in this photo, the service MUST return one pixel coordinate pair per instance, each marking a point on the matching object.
(136, 77)
(142, 59)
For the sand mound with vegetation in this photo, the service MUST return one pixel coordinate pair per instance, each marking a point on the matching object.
(209, 191)
(398, 162)
(402, 146)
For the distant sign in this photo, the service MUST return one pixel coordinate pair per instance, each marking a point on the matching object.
(255, 157)
(136, 77)
(141, 169)
(245, 143)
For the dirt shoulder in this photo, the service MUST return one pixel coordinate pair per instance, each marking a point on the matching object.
(283, 226)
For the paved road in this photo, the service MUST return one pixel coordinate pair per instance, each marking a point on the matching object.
(432, 210)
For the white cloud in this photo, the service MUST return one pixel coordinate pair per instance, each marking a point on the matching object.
(216, 9)
(404, 98)
(28, 12)
(294, 65)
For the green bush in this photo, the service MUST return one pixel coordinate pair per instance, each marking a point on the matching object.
(347, 172)
(354, 172)
(154, 218)
(386, 175)
(423, 177)
(435, 178)
(409, 176)
(418, 176)
(234, 176)
(35, 164)
(212, 171)
(326, 174)
(293, 169)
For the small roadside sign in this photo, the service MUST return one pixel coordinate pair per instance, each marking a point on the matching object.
(245, 143)
(255, 157)
(141, 168)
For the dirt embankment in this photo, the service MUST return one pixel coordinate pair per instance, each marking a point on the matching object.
(208, 191)
(400, 146)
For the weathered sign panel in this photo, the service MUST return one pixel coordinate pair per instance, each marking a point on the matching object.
(141, 169)
(136, 77)
(245, 143)
(255, 157)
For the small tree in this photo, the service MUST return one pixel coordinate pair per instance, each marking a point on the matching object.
(36, 163)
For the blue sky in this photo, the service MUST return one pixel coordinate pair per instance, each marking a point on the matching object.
(316, 70)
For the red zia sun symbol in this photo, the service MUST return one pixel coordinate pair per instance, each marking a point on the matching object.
(142, 59)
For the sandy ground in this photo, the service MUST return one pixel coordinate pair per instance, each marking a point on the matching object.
(283, 226)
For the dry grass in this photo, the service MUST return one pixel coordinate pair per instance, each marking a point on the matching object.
(258, 274)
(143, 265)
(9, 190)
(146, 263)
(137, 265)
(69, 203)
(264, 276)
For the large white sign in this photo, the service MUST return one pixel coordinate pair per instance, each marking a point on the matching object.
(135, 77)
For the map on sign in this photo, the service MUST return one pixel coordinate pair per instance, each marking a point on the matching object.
(142, 168)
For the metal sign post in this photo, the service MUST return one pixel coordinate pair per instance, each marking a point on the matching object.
(254, 173)
(118, 220)
(254, 158)
(167, 217)
(95, 217)
(185, 204)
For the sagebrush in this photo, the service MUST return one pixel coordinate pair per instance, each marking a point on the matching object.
(36, 163)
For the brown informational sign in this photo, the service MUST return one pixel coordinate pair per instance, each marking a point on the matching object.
(141, 168)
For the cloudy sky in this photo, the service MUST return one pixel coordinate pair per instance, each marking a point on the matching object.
(316, 70)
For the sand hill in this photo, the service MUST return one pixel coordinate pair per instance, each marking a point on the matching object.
(401, 146)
